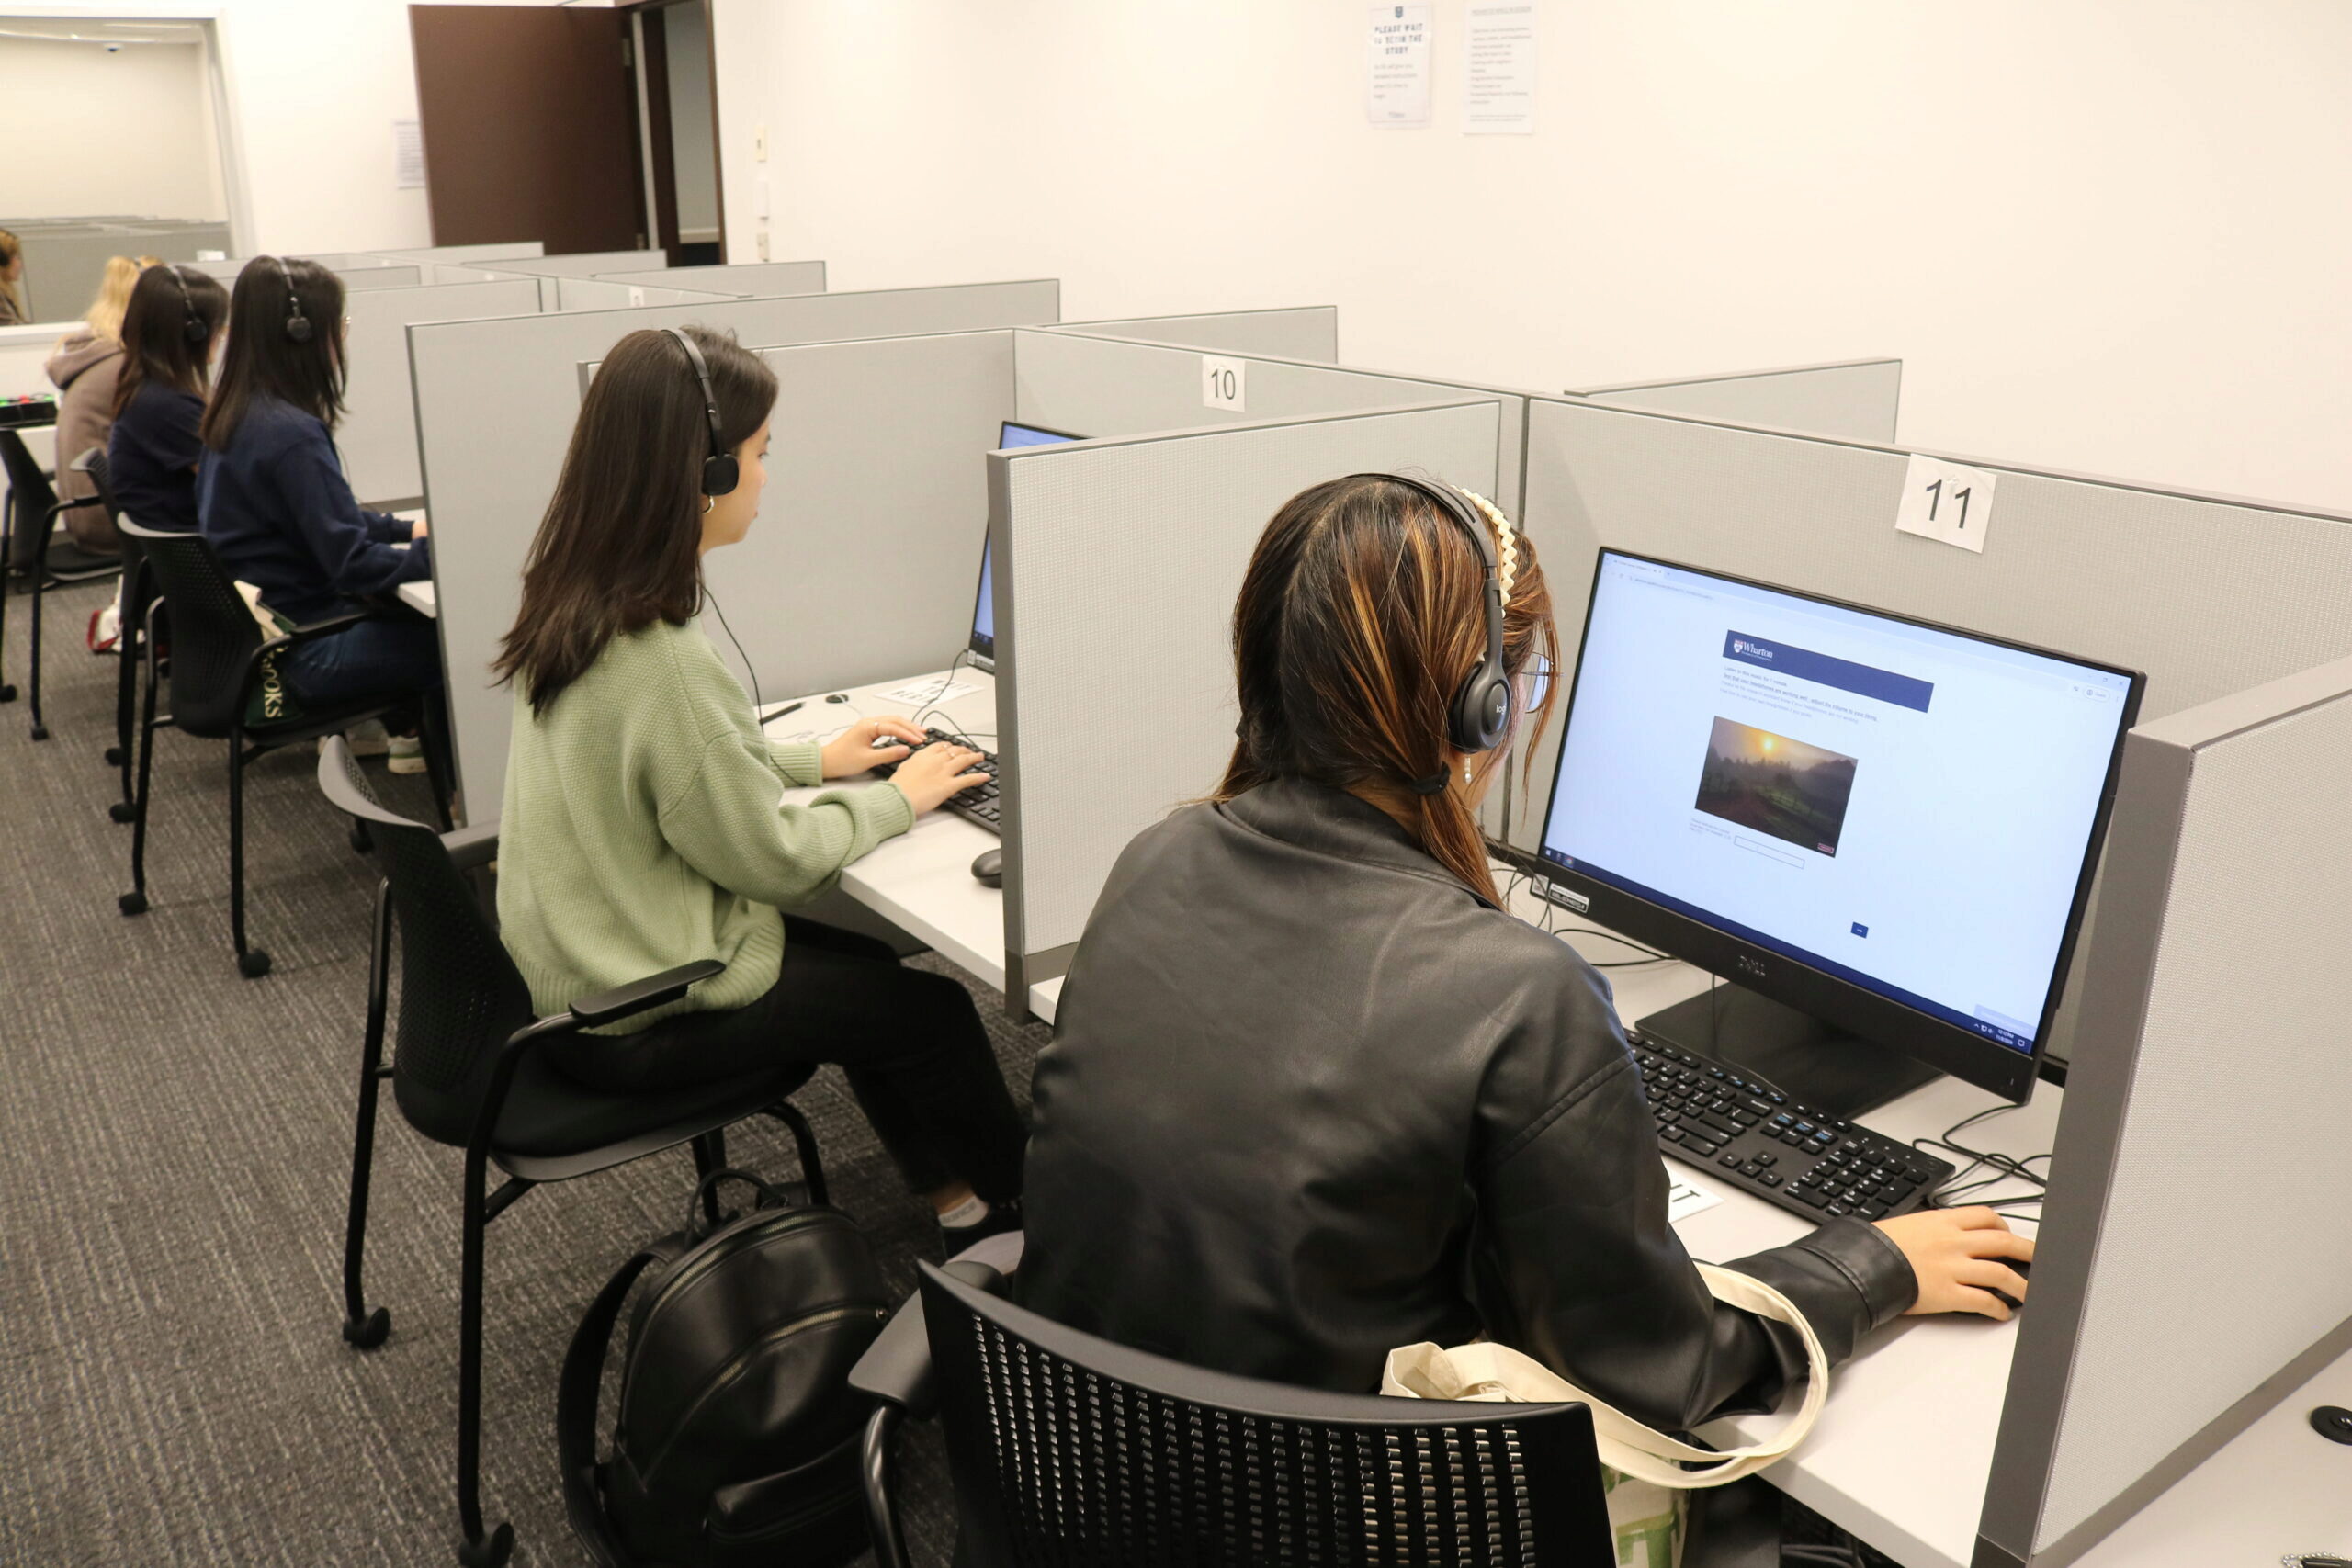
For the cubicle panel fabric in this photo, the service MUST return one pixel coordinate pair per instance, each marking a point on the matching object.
(378, 431)
(749, 280)
(390, 274)
(1856, 398)
(877, 495)
(1116, 565)
(596, 294)
(2193, 1271)
(496, 401)
(2209, 595)
(512, 250)
(584, 264)
(1305, 332)
(1098, 386)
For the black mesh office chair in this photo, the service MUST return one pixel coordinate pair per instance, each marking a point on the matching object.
(138, 588)
(216, 669)
(1069, 1451)
(466, 1074)
(33, 512)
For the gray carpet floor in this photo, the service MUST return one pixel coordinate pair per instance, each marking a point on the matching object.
(174, 1146)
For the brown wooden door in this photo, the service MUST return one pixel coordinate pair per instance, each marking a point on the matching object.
(529, 119)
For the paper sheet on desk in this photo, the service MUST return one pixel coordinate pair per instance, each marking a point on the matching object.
(1685, 1198)
(915, 693)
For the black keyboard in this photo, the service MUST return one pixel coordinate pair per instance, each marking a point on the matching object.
(978, 805)
(1753, 1137)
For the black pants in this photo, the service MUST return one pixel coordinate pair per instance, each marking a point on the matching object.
(916, 1052)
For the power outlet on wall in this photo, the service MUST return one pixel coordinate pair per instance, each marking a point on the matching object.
(760, 143)
(763, 238)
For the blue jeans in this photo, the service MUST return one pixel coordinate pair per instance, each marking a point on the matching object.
(393, 658)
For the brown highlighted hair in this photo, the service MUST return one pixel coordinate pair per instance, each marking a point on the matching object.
(155, 345)
(1360, 617)
(262, 362)
(620, 545)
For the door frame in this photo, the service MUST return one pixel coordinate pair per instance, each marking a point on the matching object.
(659, 155)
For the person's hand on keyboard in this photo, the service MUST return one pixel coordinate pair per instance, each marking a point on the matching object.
(1958, 1255)
(934, 774)
(867, 742)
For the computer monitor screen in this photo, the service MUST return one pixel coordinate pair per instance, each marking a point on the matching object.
(1885, 823)
(983, 643)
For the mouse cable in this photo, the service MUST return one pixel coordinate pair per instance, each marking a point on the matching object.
(2003, 1167)
(757, 706)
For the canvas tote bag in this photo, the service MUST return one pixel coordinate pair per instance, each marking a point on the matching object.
(1643, 1469)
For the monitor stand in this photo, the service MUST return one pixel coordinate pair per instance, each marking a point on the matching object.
(1806, 1059)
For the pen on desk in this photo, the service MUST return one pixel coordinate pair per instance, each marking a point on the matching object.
(776, 713)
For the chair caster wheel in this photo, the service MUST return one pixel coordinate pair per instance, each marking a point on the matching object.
(122, 811)
(369, 1331)
(132, 903)
(41, 732)
(489, 1553)
(253, 963)
(8, 693)
(114, 757)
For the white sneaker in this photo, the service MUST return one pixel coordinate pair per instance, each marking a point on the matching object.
(404, 754)
(366, 739)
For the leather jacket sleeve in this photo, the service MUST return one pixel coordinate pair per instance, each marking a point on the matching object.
(1588, 1278)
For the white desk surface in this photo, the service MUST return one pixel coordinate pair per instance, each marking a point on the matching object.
(1901, 1454)
(418, 596)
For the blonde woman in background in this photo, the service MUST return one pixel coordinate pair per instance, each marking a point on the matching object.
(12, 273)
(84, 366)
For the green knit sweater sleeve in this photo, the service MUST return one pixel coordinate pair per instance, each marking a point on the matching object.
(722, 809)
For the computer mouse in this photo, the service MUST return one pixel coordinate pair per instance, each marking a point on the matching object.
(2025, 1272)
(990, 868)
(838, 697)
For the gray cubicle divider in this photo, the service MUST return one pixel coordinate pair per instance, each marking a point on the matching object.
(1117, 562)
(2191, 1271)
(877, 483)
(595, 294)
(378, 431)
(1310, 333)
(1858, 399)
(584, 264)
(1095, 385)
(390, 274)
(745, 280)
(496, 401)
(354, 261)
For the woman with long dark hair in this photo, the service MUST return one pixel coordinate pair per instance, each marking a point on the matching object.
(171, 329)
(273, 500)
(643, 827)
(1315, 1095)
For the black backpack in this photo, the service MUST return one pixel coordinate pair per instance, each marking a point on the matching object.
(739, 1434)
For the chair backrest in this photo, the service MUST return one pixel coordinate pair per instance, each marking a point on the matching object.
(461, 995)
(1068, 1451)
(213, 632)
(92, 464)
(30, 496)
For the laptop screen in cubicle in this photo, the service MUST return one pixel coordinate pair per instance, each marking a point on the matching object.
(983, 643)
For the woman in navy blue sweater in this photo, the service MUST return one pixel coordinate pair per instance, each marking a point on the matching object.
(272, 498)
(169, 333)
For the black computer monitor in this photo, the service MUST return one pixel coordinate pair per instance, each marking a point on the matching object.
(1881, 830)
(982, 646)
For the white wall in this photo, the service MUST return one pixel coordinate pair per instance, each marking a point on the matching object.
(127, 132)
(2103, 234)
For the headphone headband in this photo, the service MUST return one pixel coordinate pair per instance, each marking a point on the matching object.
(720, 471)
(194, 329)
(1481, 712)
(298, 325)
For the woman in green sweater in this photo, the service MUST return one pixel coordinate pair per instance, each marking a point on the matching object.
(643, 826)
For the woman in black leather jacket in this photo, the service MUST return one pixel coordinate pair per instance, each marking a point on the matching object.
(1314, 1094)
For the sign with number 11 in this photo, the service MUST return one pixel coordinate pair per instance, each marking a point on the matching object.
(1949, 503)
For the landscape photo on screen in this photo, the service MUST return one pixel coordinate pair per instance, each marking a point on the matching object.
(1790, 789)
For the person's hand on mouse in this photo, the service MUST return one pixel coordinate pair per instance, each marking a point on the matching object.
(1957, 1255)
(867, 742)
(936, 772)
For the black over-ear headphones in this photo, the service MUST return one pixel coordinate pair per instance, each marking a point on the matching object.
(298, 325)
(720, 471)
(1480, 715)
(194, 330)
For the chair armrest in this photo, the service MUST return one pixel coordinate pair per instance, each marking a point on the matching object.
(470, 847)
(317, 629)
(63, 507)
(896, 1368)
(627, 1001)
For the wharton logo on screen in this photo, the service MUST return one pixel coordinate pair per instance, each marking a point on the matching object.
(1844, 675)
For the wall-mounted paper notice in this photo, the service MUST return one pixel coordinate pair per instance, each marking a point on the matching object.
(1499, 70)
(1397, 54)
(408, 156)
